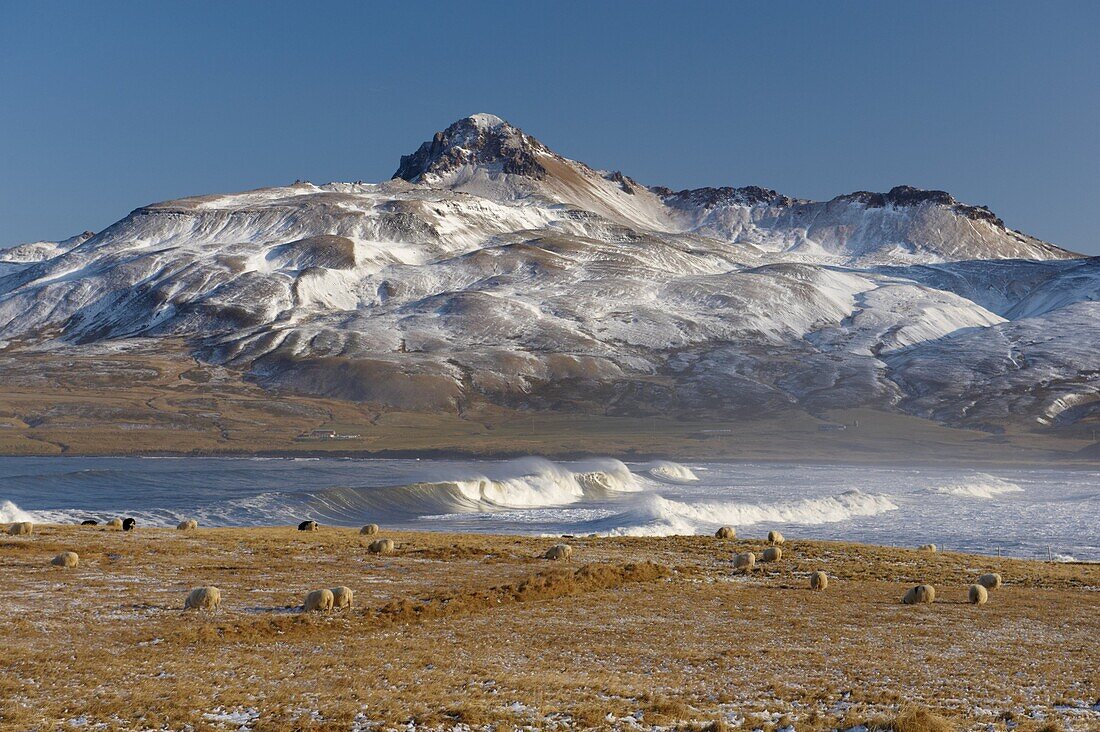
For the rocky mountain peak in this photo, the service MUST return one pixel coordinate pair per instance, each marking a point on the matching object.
(478, 140)
(908, 196)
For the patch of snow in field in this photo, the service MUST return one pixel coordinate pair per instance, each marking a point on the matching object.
(242, 718)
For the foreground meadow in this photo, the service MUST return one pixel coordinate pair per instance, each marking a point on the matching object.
(478, 632)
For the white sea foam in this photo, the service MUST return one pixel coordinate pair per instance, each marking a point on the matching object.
(534, 482)
(1058, 509)
(10, 513)
(659, 516)
(980, 485)
(673, 472)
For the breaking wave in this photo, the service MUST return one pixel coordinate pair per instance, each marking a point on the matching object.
(659, 516)
(12, 514)
(526, 484)
(529, 483)
(981, 485)
(672, 472)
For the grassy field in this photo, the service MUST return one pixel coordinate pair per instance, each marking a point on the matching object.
(119, 403)
(478, 632)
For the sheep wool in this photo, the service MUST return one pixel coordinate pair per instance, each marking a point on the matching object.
(818, 580)
(726, 532)
(990, 581)
(342, 596)
(203, 598)
(21, 528)
(187, 525)
(920, 595)
(369, 530)
(772, 554)
(381, 546)
(66, 560)
(978, 595)
(775, 537)
(559, 551)
(744, 561)
(319, 601)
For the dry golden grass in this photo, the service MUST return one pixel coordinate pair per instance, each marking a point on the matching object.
(475, 630)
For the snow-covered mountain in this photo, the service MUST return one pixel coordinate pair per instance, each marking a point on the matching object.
(490, 268)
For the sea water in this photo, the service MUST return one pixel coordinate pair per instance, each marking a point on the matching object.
(1037, 513)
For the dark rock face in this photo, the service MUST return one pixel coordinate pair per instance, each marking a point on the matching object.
(899, 196)
(902, 196)
(723, 196)
(627, 184)
(474, 142)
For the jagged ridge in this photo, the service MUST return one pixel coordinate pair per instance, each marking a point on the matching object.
(516, 276)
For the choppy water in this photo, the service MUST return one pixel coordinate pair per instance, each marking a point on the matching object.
(1016, 512)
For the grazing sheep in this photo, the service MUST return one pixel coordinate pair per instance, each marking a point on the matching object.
(744, 561)
(381, 546)
(559, 551)
(115, 523)
(187, 525)
(726, 532)
(129, 524)
(818, 580)
(307, 526)
(89, 522)
(775, 537)
(318, 601)
(921, 594)
(927, 548)
(772, 554)
(979, 595)
(342, 596)
(23, 527)
(66, 559)
(369, 530)
(990, 581)
(203, 598)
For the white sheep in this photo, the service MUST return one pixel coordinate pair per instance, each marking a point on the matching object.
(726, 532)
(772, 554)
(381, 546)
(744, 561)
(21, 528)
(203, 598)
(818, 580)
(920, 594)
(66, 560)
(319, 601)
(978, 595)
(559, 551)
(369, 530)
(187, 525)
(990, 581)
(775, 537)
(342, 597)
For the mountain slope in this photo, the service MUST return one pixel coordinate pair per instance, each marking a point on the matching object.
(491, 269)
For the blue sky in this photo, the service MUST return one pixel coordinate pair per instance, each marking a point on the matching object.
(108, 106)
